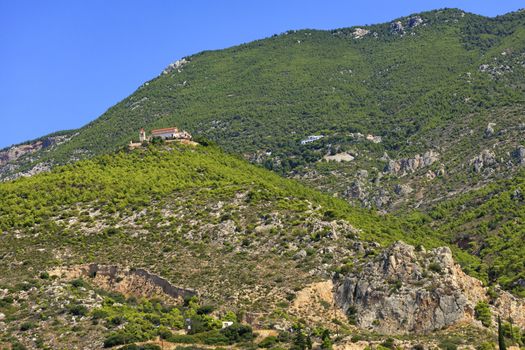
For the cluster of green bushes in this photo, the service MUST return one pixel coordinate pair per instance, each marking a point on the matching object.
(488, 223)
(142, 320)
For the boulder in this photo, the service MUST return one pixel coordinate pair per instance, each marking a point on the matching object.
(489, 130)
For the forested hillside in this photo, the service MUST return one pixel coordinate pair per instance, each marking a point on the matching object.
(318, 152)
(248, 242)
(430, 82)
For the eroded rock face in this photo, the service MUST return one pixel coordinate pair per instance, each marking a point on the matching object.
(408, 291)
(10, 156)
(410, 165)
(486, 158)
(15, 152)
(137, 282)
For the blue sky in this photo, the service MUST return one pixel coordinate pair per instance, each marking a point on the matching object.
(63, 63)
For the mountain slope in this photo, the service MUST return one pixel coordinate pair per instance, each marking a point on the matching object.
(240, 237)
(162, 202)
(417, 82)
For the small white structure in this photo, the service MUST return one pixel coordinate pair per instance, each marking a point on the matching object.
(226, 324)
(311, 138)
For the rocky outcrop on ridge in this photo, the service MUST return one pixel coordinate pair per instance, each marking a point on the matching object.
(407, 290)
(11, 158)
(175, 66)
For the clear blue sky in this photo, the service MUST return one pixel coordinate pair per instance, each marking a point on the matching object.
(63, 63)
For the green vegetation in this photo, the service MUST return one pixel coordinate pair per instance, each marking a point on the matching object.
(426, 89)
(488, 223)
(417, 91)
(501, 337)
(249, 238)
(483, 314)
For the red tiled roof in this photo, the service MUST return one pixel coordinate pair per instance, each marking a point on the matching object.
(159, 131)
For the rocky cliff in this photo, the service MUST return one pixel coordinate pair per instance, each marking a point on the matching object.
(408, 290)
(25, 159)
(136, 281)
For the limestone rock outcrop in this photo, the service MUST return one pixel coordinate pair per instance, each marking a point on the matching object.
(485, 159)
(407, 290)
(359, 33)
(397, 27)
(175, 66)
(415, 21)
(410, 165)
(137, 282)
(519, 154)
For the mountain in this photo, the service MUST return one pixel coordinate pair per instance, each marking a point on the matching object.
(125, 247)
(421, 118)
(407, 107)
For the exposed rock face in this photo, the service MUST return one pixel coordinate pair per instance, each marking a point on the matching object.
(359, 33)
(9, 157)
(406, 291)
(397, 27)
(339, 157)
(177, 65)
(15, 152)
(410, 165)
(316, 303)
(138, 282)
(484, 159)
(415, 21)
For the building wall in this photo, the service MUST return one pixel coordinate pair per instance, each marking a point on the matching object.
(165, 135)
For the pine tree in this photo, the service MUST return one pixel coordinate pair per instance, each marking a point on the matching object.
(501, 338)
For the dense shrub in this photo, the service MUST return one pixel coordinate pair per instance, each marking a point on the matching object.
(483, 314)
(238, 333)
(78, 310)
